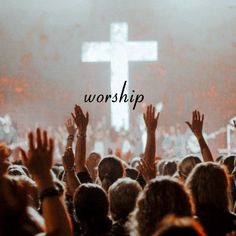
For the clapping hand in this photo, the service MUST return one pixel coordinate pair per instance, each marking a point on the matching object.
(81, 120)
(150, 119)
(197, 124)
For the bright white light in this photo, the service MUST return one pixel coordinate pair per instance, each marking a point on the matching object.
(119, 52)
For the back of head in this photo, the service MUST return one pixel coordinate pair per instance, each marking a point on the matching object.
(186, 165)
(161, 196)
(229, 163)
(169, 168)
(122, 197)
(186, 226)
(91, 208)
(110, 169)
(209, 184)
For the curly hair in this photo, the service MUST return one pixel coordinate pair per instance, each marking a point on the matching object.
(209, 185)
(161, 197)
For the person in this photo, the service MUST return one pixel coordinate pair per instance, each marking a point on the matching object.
(13, 195)
(182, 226)
(91, 210)
(92, 162)
(110, 169)
(186, 165)
(209, 185)
(122, 197)
(161, 196)
(196, 126)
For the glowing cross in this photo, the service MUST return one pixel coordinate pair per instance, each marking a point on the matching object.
(119, 51)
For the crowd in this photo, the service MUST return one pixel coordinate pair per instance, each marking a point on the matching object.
(98, 195)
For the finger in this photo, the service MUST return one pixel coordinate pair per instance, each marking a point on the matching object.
(202, 118)
(73, 116)
(45, 138)
(51, 146)
(31, 141)
(189, 125)
(158, 114)
(38, 138)
(198, 116)
(87, 116)
(24, 156)
(193, 116)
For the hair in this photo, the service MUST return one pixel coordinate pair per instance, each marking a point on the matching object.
(110, 169)
(209, 186)
(160, 167)
(160, 197)
(122, 197)
(131, 173)
(185, 226)
(91, 209)
(92, 162)
(186, 165)
(169, 167)
(228, 162)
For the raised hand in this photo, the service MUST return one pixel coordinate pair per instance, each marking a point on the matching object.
(197, 124)
(81, 120)
(196, 127)
(40, 155)
(70, 126)
(150, 119)
(68, 159)
(147, 170)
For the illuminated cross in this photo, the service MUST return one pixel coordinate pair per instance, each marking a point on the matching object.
(119, 51)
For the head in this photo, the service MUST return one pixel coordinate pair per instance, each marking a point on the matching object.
(122, 198)
(169, 168)
(131, 173)
(209, 185)
(92, 163)
(91, 208)
(186, 165)
(186, 226)
(160, 167)
(228, 162)
(110, 169)
(161, 196)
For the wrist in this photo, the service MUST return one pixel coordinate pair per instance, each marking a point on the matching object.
(199, 136)
(70, 169)
(44, 181)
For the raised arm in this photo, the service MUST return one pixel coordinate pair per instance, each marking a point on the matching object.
(72, 180)
(151, 121)
(39, 162)
(196, 126)
(81, 121)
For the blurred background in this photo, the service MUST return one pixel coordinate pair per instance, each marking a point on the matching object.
(42, 75)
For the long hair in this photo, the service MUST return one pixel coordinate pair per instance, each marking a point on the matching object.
(209, 185)
(161, 196)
